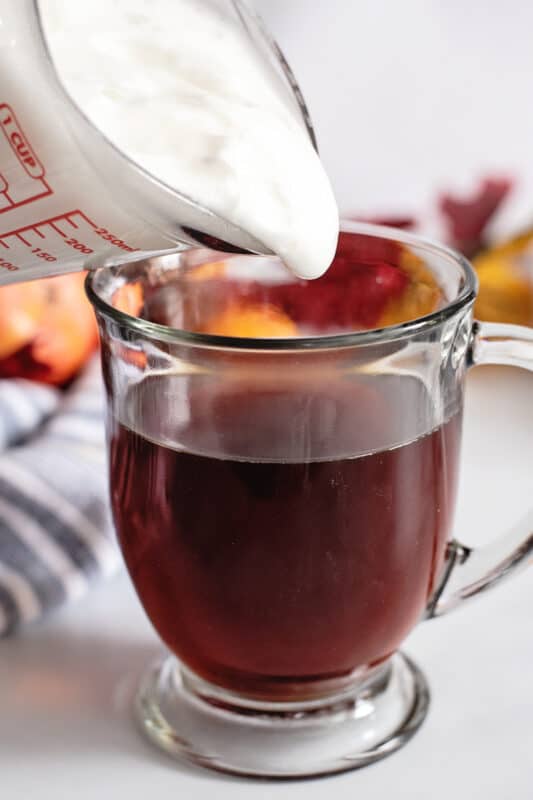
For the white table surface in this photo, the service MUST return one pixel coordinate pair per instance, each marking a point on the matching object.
(406, 97)
(66, 728)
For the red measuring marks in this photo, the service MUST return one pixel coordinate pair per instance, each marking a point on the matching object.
(56, 239)
(23, 178)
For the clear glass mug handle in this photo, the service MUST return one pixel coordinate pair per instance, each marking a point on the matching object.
(469, 571)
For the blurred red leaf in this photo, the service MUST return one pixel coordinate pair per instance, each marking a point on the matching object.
(467, 218)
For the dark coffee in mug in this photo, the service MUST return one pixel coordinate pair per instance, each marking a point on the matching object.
(283, 464)
(269, 553)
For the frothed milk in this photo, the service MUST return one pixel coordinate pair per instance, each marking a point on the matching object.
(178, 87)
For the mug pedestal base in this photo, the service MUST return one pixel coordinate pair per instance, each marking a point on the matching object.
(189, 718)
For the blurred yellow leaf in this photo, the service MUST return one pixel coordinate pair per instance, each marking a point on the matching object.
(505, 275)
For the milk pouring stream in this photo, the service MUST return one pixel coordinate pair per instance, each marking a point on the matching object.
(138, 102)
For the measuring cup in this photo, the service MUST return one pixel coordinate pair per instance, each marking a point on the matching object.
(68, 197)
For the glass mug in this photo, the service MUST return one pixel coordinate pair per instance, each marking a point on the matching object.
(284, 505)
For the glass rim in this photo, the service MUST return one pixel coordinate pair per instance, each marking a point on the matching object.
(155, 330)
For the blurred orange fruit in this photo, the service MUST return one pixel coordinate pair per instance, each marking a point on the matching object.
(252, 321)
(47, 329)
(129, 298)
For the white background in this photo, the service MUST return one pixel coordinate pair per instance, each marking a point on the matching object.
(412, 96)
(407, 97)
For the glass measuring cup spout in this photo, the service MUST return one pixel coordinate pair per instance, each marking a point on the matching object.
(68, 196)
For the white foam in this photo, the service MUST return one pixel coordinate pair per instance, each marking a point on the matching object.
(178, 87)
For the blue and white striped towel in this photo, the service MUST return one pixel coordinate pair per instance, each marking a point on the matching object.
(55, 527)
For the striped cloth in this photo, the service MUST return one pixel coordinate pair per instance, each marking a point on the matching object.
(55, 528)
